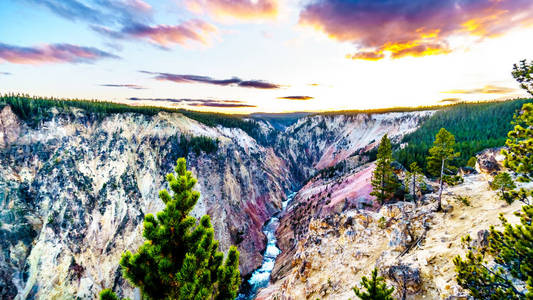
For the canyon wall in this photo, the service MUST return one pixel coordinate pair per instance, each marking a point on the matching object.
(74, 189)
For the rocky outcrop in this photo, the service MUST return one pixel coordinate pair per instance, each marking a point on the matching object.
(490, 161)
(9, 127)
(414, 254)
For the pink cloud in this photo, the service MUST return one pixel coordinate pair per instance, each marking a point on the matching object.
(51, 53)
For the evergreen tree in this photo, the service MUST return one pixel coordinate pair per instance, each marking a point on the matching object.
(107, 294)
(523, 73)
(512, 250)
(518, 156)
(384, 181)
(376, 288)
(180, 260)
(441, 154)
(502, 183)
(471, 162)
(413, 180)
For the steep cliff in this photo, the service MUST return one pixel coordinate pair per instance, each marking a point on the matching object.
(74, 192)
(75, 187)
(326, 251)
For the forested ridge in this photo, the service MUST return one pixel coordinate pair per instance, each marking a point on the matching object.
(33, 110)
(476, 126)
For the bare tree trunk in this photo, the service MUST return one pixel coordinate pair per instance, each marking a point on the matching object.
(414, 189)
(439, 204)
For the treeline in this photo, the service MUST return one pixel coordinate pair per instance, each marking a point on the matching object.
(198, 144)
(35, 109)
(476, 126)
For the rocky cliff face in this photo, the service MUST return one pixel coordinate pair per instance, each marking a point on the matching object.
(321, 141)
(75, 189)
(74, 192)
(328, 248)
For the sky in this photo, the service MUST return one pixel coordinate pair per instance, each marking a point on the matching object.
(243, 56)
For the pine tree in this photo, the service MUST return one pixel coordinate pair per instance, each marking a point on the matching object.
(376, 288)
(512, 250)
(518, 154)
(384, 181)
(413, 180)
(519, 143)
(502, 183)
(180, 259)
(523, 73)
(441, 154)
(471, 162)
(107, 294)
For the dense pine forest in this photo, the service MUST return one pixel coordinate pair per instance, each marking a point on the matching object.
(476, 126)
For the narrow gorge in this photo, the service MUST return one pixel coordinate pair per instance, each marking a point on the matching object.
(76, 185)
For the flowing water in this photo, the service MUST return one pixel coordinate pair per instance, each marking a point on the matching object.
(261, 277)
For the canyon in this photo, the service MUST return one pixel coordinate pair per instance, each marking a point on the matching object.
(74, 190)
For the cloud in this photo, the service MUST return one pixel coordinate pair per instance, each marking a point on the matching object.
(99, 11)
(234, 81)
(129, 86)
(236, 9)
(163, 35)
(52, 53)
(297, 97)
(412, 28)
(488, 89)
(450, 100)
(129, 19)
(199, 102)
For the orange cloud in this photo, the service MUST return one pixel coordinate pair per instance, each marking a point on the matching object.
(412, 27)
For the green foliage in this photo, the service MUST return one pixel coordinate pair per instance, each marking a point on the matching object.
(384, 182)
(382, 223)
(376, 288)
(471, 162)
(107, 294)
(35, 109)
(463, 199)
(518, 156)
(452, 180)
(180, 258)
(503, 183)
(512, 250)
(197, 144)
(476, 126)
(523, 73)
(440, 155)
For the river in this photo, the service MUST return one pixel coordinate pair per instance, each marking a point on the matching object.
(261, 277)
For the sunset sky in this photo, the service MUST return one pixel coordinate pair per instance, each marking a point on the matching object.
(265, 55)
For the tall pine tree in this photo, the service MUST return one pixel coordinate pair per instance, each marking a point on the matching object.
(440, 155)
(384, 181)
(376, 288)
(180, 258)
(519, 142)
